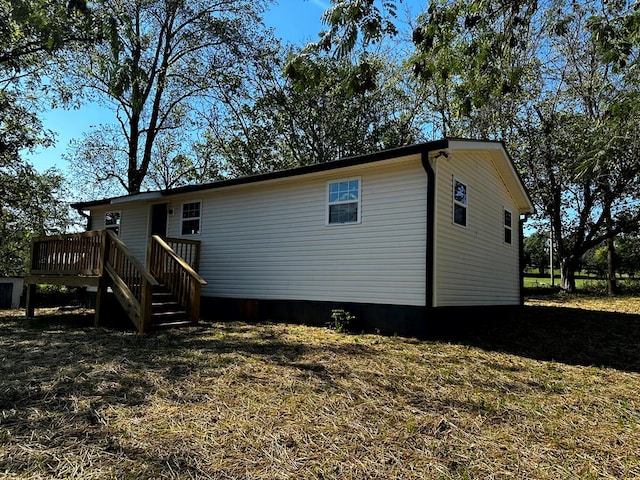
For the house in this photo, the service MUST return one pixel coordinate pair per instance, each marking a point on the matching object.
(391, 237)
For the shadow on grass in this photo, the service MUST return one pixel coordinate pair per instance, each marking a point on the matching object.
(61, 356)
(569, 335)
(58, 374)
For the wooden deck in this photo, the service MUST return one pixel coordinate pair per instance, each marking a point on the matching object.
(101, 259)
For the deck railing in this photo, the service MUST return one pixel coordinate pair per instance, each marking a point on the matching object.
(189, 250)
(132, 284)
(83, 259)
(75, 254)
(176, 274)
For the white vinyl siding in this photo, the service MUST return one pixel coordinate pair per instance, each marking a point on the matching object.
(473, 265)
(134, 225)
(270, 240)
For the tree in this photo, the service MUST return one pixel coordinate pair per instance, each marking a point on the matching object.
(475, 57)
(536, 251)
(309, 108)
(161, 63)
(595, 261)
(30, 205)
(579, 146)
(100, 157)
(31, 32)
(628, 248)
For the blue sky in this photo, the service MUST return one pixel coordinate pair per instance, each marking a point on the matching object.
(294, 21)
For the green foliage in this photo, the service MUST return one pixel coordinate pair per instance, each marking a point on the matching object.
(162, 67)
(310, 108)
(474, 49)
(594, 262)
(30, 206)
(616, 29)
(628, 255)
(536, 252)
(31, 29)
(341, 320)
(349, 21)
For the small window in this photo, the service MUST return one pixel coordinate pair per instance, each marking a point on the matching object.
(459, 203)
(343, 202)
(112, 222)
(507, 227)
(191, 218)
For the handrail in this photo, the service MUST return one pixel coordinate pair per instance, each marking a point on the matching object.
(125, 250)
(187, 268)
(103, 256)
(131, 282)
(182, 281)
(187, 249)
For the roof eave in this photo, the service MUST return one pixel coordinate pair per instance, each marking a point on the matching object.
(293, 172)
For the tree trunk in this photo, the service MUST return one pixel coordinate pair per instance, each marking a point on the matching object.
(567, 276)
(612, 286)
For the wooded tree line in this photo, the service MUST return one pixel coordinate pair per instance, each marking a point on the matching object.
(202, 90)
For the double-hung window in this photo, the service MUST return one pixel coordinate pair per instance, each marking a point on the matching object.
(191, 215)
(112, 222)
(343, 201)
(508, 229)
(459, 203)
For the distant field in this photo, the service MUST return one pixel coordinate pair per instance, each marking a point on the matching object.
(549, 393)
(583, 282)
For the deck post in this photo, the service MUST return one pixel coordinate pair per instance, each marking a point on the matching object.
(101, 293)
(194, 310)
(145, 306)
(101, 296)
(30, 304)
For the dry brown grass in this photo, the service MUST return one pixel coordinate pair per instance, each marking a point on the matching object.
(551, 394)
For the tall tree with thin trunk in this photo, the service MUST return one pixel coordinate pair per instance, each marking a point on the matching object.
(161, 62)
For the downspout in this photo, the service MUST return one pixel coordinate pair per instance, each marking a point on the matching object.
(521, 256)
(431, 195)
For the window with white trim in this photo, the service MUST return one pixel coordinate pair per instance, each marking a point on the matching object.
(343, 201)
(191, 214)
(508, 229)
(459, 203)
(112, 222)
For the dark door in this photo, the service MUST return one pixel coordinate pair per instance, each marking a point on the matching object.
(159, 219)
(6, 292)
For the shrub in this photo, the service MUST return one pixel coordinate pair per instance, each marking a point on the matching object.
(340, 320)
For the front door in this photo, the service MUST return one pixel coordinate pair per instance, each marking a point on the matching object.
(159, 219)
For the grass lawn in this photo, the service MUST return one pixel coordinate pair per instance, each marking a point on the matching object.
(550, 393)
(583, 282)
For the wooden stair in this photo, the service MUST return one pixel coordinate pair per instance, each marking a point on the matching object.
(166, 312)
(163, 294)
